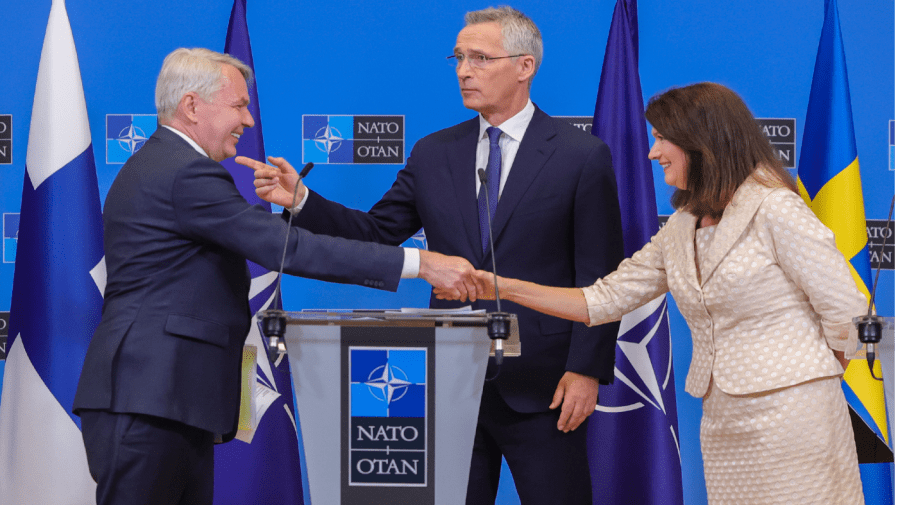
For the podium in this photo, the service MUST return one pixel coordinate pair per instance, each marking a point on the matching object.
(388, 402)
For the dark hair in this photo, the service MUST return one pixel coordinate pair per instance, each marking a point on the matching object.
(724, 144)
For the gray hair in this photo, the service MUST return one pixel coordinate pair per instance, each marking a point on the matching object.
(185, 70)
(519, 33)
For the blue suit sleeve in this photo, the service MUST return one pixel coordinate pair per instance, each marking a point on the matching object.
(391, 221)
(209, 208)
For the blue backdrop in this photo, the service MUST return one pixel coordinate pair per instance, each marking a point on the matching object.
(387, 58)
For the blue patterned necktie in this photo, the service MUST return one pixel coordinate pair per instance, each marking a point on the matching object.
(493, 171)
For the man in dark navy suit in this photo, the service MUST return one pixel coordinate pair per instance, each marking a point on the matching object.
(161, 380)
(556, 221)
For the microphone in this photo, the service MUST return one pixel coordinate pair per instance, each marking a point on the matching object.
(273, 322)
(498, 323)
(302, 175)
(869, 326)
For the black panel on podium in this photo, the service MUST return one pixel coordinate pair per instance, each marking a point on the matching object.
(388, 402)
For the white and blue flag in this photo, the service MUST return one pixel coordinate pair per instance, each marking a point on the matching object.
(57, 290)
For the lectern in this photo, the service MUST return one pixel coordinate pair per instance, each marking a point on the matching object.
(388, 402)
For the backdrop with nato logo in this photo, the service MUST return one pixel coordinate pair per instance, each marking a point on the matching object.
(352, 86)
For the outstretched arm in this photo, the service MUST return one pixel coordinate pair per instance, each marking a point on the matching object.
(566, 303)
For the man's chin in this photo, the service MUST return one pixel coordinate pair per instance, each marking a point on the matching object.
(230, 153)
(223, 156)
(471, 103)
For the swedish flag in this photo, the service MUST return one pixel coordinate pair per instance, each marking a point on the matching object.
(830, 182)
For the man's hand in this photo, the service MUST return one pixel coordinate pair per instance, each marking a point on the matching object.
(579, 394)
(275, 184)
(450, 276)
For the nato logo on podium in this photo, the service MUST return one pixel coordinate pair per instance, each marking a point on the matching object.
(388, 416)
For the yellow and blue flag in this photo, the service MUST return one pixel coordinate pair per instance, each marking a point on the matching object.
(830, 182)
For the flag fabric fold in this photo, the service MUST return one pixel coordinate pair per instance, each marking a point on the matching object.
(263, 466)
(633, 435)
(57, 290)
(830, 182)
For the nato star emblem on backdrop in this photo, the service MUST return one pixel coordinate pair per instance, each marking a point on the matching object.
(343, 139)
(388, 416)
(126, 134)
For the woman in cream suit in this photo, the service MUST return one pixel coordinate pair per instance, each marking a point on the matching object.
(768, 298)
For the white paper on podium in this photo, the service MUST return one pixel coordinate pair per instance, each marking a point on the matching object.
(437, 312)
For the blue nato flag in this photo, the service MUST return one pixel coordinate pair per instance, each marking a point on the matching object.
(261, 466)
(633, 435)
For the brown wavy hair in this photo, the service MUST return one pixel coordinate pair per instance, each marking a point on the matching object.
(723, 142)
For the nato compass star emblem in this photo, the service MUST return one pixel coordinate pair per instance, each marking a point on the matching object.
(646, 371)
(131, 139)
(387, 383)
(328, 139)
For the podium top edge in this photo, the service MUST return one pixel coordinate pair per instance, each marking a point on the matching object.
(388, 317)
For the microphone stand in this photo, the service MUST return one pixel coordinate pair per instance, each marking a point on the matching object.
(273, 322)
(869, 326)
(498, 323)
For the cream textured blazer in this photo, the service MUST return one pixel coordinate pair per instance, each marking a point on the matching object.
(766, 305)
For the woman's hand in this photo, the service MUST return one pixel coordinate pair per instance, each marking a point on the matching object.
(486, 288)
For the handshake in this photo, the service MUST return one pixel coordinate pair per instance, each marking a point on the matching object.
(454, 278)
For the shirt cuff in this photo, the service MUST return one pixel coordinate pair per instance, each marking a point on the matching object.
(412, 263)
(295, 210)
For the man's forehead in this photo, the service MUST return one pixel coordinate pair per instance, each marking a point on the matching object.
(481, 34)
(233, 86)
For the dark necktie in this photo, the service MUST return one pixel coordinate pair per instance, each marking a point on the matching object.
(493, 171)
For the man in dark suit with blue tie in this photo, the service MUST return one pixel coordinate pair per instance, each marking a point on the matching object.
(161, 379)
(555, 220)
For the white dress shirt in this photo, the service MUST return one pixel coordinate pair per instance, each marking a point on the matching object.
(512, 132)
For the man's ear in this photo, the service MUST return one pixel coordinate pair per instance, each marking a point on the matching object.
(526, 67)
(188, 105)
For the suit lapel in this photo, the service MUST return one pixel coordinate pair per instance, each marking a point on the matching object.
(535, 149)
(736, 218)
(462, 156)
